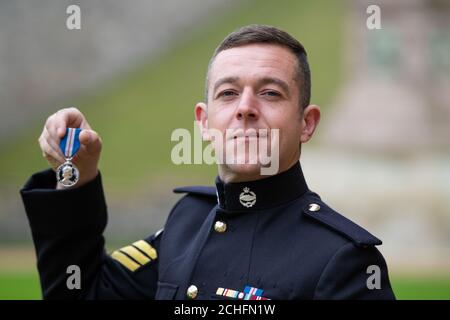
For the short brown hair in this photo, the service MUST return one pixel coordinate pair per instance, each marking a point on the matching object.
(256, 33)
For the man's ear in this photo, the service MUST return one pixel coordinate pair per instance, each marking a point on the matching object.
(310, 121)
(201, 117)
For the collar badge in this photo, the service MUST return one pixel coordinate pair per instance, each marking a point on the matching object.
(247, 198)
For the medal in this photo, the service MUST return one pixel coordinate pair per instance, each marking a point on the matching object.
(67, 174)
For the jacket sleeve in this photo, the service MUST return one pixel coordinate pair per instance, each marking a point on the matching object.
(355, 272)
(67, 227)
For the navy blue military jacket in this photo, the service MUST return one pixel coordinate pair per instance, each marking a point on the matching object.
(266, 239)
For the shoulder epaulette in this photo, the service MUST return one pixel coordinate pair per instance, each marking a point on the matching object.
(322, 213)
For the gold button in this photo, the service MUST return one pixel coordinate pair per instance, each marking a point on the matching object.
(220, 226)
(314, 207)
(192, 292)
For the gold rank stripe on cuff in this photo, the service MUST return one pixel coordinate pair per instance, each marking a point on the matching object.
(135, 256)
(146, 248)
(126, 261)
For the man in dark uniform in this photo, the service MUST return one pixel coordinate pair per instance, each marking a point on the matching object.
(250, 237)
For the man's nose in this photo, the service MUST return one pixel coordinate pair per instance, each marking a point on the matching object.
(247, 108)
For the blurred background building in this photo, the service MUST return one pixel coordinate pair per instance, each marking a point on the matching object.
(136, 69)
(387, 131)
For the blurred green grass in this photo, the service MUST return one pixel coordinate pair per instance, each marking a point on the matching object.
(19, 286)
(136, 112)
(25, 286)
(420, 287)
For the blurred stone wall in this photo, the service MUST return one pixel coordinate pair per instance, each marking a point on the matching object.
(42, 62)
(396, 90)
(383, 158)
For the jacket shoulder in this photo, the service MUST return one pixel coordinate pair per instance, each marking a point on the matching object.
(198, 199)
(206, 191)
(320, 212)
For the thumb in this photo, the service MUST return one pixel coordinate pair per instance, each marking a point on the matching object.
(91, 140)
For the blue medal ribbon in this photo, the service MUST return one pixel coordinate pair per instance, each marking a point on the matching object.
(70, 144)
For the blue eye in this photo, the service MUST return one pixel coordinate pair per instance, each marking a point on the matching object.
(271, 93)
(227, 93)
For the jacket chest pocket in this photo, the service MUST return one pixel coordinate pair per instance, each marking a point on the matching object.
(166, 291)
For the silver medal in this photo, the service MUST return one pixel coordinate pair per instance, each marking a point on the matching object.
(67, 174)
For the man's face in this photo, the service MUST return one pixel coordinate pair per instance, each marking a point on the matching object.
(255, 87)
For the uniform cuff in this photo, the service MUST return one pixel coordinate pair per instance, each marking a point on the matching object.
(59, 212)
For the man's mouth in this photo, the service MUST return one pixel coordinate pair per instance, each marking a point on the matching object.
(248, 134)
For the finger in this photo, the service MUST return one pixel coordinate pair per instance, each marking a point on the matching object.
(50, 125)
(91, 140)
(53, 154)
(56, 125)
(50, 154)
(53, 141)
(69, 118)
